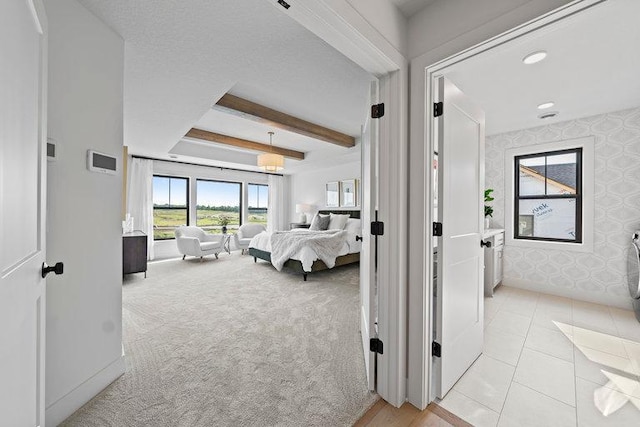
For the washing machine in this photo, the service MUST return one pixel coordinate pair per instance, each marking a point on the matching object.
(633, 271)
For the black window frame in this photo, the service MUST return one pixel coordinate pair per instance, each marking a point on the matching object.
(240, 210)
(578, 151)
(188, 181)
(249, 204)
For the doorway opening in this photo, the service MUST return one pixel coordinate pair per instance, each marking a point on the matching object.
(542, 321)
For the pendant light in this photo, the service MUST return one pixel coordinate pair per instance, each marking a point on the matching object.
(271, 162)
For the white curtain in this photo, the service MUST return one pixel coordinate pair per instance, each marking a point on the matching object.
(140, 198)
(277, 204)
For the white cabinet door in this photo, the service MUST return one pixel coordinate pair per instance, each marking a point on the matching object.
(459, 303)
(497, 272)
(22, 216)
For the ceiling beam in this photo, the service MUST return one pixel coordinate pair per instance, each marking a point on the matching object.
(243, 143)
(250, 110)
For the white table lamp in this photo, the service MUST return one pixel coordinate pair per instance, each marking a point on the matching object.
(303, 209)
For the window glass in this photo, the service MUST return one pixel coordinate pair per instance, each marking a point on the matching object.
(548, 218)
(258, 203)
(218, 205)
(170, 206)
(532, 176)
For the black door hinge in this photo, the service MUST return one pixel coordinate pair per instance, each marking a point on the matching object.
(377, 111)
(377, 228)
(375, 345)
(284, 4)
(437, 109)
(437, 229)
(436, 349)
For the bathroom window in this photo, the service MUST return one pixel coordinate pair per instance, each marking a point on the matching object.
(548, 196)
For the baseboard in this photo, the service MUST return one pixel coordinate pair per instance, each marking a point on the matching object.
(597, 298)
(61, 409)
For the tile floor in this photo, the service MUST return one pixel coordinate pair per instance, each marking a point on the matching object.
(552, 361)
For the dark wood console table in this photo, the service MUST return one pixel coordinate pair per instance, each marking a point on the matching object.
(134, 253)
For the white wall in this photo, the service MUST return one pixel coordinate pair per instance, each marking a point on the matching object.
(600, 276)
(84, 306)
(309, 187)
(167, 248)
(385, 17)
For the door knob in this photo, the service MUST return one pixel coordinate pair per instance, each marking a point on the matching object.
(58, 269)
(483, 243)
(359, 238)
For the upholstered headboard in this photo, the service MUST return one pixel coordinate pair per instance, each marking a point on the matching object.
(352, 214)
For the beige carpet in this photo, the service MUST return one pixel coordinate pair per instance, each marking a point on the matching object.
(231, 343)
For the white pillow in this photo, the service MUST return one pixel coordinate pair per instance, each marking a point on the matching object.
(353, 226)
(337, 222)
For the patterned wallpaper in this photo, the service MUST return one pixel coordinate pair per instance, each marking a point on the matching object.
(600, 276)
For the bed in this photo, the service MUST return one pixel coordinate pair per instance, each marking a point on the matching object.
(258, 249)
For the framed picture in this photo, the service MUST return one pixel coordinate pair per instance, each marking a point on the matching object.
(349, 193)
(333, 194)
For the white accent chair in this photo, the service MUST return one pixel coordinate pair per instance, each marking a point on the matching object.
(193, 241)
(245, 233)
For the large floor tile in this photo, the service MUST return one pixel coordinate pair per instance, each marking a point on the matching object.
(626, 323)
(486, 382)
(519, 305)
(626, 384)
(547, 374)
(633, 353)
(595, 317)
(469, 410)
(503, 346)
(528, 408)
(553, 343)
(604, 342)
(510, 323)
(601, 406)
(552, 311)
(590, 365)
(554, 303)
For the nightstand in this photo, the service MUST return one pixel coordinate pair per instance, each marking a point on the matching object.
(299, 225)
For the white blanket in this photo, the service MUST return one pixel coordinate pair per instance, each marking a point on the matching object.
(327, 246)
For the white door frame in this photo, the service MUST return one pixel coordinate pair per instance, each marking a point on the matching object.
(340, 25)
(428, 69)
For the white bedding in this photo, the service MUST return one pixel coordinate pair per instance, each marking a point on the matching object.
(305, 254)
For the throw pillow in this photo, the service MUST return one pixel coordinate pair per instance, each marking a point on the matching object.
(319, 222)
(337, 222)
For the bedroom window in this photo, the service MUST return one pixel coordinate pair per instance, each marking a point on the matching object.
(218, 204)
(170, 205)
(258, 203)
(548, 196)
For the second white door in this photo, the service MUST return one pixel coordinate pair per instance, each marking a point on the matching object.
(459, 301)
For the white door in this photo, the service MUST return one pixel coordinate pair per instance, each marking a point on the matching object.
(368, 289)
(459, 301)
(22, 202)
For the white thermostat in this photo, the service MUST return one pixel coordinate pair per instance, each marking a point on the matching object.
(100, 162)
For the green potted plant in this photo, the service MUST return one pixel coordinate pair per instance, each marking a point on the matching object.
(223, 220)
(488, 210)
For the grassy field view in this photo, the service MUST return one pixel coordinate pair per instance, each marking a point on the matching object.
(166, 220)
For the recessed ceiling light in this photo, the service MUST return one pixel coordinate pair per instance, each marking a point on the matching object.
(534, 57)
(548, 115)
(546, 105)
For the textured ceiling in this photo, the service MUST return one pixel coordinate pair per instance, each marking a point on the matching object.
(409, 7)
(592, 67)
(181, 56)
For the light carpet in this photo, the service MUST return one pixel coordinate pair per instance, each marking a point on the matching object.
(231, 343)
